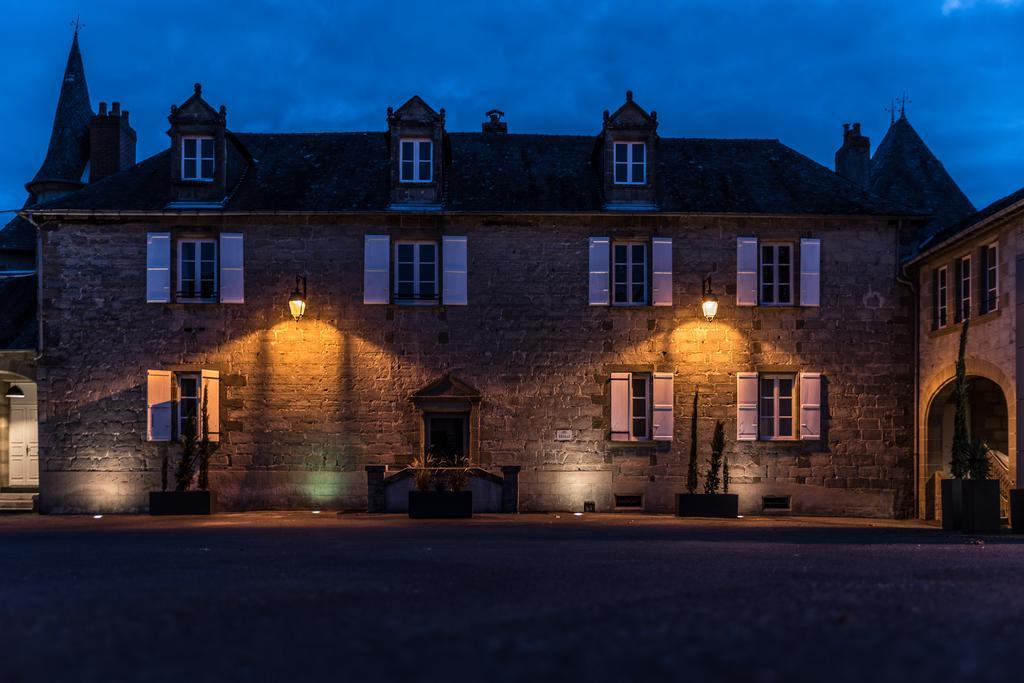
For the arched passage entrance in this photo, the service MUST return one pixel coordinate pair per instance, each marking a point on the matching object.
(987, 419)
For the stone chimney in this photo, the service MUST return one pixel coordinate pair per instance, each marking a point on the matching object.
(494, 124)
(853, 159)
(111, 142)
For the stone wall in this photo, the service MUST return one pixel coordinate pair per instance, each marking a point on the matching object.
(991, 350)
(311, 403)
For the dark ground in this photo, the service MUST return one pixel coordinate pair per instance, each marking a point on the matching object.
(293, 596)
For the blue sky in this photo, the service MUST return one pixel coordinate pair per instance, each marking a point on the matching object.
(788, 69)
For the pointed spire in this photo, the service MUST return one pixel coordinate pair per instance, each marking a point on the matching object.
(68, 152)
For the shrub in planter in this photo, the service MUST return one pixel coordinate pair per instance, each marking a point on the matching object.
(439, 490)
(968, 505)
(195, 453)
(712, 503)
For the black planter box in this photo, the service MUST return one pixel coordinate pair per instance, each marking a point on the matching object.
(707, 505)
(1017, 510)
(182, 502)
(440, 504)
(970, 506)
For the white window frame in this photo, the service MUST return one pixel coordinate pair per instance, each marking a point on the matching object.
(416, 160)
(630, 282)
(776, 282)
(943, 297)
(629, 164)
(964, 303)
(991, 276)
(416, 300)
(647, 398)
(198, 242)
(776, 400)
(199, 158)
(181, 400)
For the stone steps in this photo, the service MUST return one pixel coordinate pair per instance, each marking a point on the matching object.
(17, 502)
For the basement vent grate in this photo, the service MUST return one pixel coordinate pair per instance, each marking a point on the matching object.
(629, 501)
(776, 502)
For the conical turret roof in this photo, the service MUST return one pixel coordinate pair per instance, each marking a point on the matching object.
(68, 152)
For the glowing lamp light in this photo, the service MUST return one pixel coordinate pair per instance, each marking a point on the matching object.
(297, 301)
(709, 301)
(15, 392)
(97, 516)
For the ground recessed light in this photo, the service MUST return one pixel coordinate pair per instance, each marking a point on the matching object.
(316, 512)
(578, 514)
(97, 516)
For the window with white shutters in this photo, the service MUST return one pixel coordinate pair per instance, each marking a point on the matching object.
(641, 406)
(175, 402)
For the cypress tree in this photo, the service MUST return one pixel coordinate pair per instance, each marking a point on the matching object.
(691, 470)
(961, 465)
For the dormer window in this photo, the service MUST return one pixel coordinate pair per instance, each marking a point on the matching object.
(416, 162)
(630, 163)
(197, 158)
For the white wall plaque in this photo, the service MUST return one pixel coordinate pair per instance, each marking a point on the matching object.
(563, 435)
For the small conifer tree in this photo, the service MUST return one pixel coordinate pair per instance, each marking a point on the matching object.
(713, 480)
(691, 469)
(961, 464)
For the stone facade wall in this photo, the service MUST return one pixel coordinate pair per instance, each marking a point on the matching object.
(991, 346)
(307, 405)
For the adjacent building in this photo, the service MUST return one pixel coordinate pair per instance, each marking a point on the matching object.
(530, 301)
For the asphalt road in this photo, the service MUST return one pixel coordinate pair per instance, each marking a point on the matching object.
(296, 597)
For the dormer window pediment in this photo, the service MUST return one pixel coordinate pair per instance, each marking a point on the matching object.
(417, 141)
(629, 142)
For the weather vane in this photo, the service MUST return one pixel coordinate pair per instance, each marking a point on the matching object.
(892, 111)
(77, 23)
(904, 101)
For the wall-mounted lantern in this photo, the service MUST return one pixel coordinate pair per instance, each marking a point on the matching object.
(709, 301)
(15, 392)
(297, 300)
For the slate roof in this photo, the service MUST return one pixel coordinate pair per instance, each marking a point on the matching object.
(337, 172)
(18, 328)
(951, 232)
(905, 171)
(68, 153)
(18, 235)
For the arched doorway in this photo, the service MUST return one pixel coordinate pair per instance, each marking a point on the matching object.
(987, 419)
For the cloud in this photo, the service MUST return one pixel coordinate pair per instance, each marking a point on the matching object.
(950, 6)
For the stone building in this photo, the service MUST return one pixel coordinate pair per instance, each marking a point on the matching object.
(530, 301)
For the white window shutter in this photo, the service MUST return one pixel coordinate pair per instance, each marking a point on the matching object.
(232, 276)
(661, 259)
(663, 399)
(158, 267)
(211, 393)
(600, 255)
(376, 257)
(746, 271)
(158, 405)
(810, 406)
(455, 292)
(746, 406)
(810, 272)
(620, 406)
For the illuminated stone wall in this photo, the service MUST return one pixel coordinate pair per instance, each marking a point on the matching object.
(991, 349)
(306, 406)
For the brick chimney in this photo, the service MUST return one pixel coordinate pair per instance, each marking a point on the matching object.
(494, 124)
(111, 142)
(853, 159)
